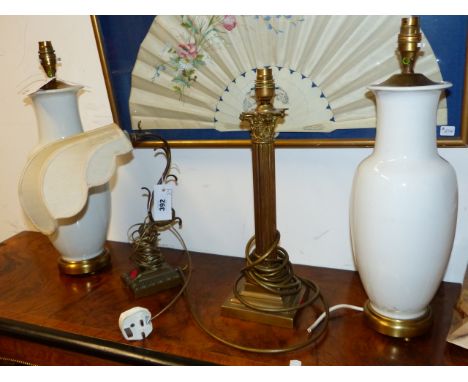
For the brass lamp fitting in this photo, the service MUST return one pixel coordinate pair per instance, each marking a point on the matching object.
(264, 88)
(47, 57)
(265, 117)
(48, 62)
(409, 45)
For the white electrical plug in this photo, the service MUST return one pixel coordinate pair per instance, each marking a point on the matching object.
(135, 324)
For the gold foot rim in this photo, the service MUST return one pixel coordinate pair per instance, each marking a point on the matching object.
(395, 327)
(84, 267)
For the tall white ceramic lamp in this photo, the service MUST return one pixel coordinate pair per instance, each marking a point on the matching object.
(402, 230)
(63, 188)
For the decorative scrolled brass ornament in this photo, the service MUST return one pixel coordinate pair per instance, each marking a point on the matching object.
(152, 273)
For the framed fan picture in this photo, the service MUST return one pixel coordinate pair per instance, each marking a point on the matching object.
(188, 78)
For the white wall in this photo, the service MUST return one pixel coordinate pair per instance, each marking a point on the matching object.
(214, 195)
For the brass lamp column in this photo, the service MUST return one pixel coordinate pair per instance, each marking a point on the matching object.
(267, 291)
(263, 121)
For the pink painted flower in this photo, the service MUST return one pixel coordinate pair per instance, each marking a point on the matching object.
(187, 51)
(229, 22)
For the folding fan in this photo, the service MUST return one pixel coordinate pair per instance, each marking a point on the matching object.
(197, 72)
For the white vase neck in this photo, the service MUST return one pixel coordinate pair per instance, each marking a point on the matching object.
(57, 113)
(406, 121)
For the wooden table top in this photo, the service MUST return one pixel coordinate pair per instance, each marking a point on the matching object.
(81, 313)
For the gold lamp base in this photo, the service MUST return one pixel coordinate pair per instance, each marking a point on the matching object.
(264, 301)
(397, 328)
(84, 267)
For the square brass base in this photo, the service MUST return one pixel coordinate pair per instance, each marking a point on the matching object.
(256, 296)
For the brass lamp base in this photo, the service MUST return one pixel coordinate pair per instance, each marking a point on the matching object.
(84, 267)
(257, 297)
(397, 328)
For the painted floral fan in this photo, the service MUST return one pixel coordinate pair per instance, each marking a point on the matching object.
(197, 72)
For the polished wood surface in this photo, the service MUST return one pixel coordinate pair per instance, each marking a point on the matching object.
(49, 318)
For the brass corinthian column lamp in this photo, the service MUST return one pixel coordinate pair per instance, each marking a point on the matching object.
(267, 290)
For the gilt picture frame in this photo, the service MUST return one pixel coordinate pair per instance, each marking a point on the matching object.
(118, 40)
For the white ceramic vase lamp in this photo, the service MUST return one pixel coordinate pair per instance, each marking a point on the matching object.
(79, 239)
(59, 189)
(404, 201)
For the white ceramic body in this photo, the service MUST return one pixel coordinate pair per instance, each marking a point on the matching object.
(404, 205)
(80, 237)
